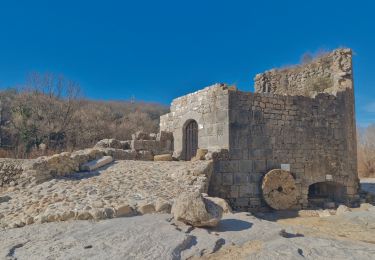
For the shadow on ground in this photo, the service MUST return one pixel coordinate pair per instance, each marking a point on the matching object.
(86, 175)
(276, 215)
(226, 225)
(368, 187)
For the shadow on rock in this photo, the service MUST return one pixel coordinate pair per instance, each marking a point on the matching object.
(232, 225)
(87, 174)
(276, 215)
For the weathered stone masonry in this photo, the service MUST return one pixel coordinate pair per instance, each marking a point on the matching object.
(302, 117)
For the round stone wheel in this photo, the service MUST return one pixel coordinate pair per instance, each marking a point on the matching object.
(279, 189)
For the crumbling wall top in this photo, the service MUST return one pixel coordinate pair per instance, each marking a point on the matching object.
(329, 73)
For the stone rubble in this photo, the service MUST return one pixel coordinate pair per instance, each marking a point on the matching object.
(125, 188)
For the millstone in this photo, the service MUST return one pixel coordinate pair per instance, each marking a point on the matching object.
(279, 189)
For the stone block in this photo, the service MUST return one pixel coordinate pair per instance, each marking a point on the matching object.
(96, 164)
(200, 155)
(246, 165)
(150, 145)
(242, 202)
(145, 155)
(163, 157)
(260, 166)
(228, 166)
(234, 191)
(227, 178)
(241, 178)
(245, 191)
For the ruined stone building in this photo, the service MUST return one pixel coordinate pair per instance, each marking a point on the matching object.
(300, 119)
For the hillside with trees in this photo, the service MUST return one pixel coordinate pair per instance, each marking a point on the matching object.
(49, 114)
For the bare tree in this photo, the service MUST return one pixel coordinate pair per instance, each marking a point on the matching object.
(366, 152)
(50, 110)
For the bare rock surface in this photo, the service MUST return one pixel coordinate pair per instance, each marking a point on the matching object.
(238, 236)
(122, 188)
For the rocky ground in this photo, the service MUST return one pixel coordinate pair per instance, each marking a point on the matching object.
(133, 188)
(156, 236)
(120, 189)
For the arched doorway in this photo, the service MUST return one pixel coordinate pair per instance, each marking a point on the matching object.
(328, 191)
(190, 139)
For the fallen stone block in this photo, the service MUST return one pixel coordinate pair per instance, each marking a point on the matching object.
(96, 164)
(195, 210)
(200, 155)
(146, 208)
(163, 157)
(124, 211)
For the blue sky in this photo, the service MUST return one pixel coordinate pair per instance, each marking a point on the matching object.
(158, 50)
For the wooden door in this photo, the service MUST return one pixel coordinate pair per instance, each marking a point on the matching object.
(191, 140)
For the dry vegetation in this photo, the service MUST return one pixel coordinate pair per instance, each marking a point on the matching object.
(49, 115)
(366, 151)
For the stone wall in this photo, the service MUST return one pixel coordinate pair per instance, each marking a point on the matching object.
(142, 146)
(330, 73)
(313, 135)
(209, 108)
(294, 119)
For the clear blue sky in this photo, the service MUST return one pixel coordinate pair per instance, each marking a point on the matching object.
(158, 50)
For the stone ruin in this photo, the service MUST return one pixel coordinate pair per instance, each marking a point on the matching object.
(143, 147)
(289, 145)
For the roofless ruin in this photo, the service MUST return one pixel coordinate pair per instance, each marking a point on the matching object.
(291, 144)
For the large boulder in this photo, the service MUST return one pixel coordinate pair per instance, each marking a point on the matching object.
(195, 210)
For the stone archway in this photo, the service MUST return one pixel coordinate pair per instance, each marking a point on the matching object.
(190, 139)
(328, 191)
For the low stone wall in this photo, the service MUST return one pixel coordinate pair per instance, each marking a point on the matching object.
(24, 172)
(142, 146)
(11, 170)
